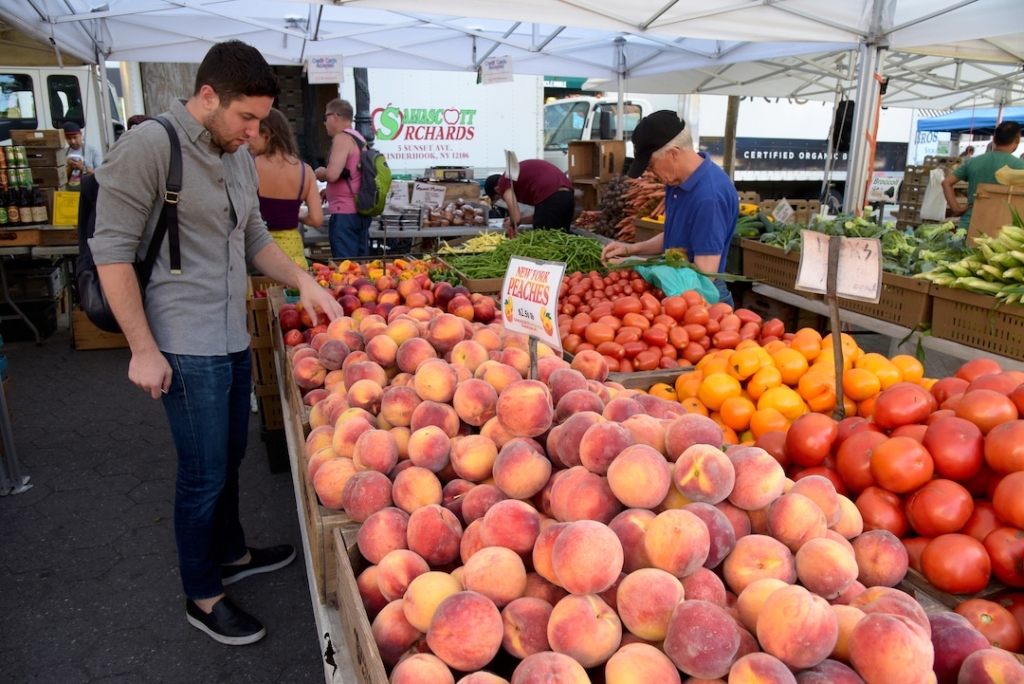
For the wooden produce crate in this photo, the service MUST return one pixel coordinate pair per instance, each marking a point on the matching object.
(904, 301)
(366, 660)
(88, 336)
(645, 229)
(56, 236)
(593, 192)
(641, 379)
(773, 266)
(44, 137)
(920, 588)
(21, 237)
(596, 159)
(268, 397)
(318, 520)
(973, 320)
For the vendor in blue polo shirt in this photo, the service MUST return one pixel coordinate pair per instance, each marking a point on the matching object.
(701, 203)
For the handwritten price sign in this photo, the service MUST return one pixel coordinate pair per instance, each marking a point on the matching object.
(529, 299)
(860, 266)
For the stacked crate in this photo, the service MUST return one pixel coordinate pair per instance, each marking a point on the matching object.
(264, 367)
(915, 182)
(592, 163)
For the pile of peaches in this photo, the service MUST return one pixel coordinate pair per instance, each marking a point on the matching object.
(566, 529)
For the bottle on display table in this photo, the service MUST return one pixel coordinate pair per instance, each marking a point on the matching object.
(13, 212)
(3, 208)
(39, 213)
(25, 206)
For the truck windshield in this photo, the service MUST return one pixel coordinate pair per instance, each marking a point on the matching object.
(632, 112)
(564, 122)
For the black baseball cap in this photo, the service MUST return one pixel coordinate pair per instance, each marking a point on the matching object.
(650, 135)
(71, 128)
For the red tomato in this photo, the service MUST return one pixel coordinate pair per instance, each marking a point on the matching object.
(986, 408)
(678, 337)
(719, 311)
(1008, 499)
(956, 446)
(915, 547)
(956, 563)
(850, 426)
(901, 464)
(915, 431)
(937, 415)
(997, 382)
(1013, 602)
(674, 307)
(697, 315)
(976, 368)
(952, 402)
(853, 460)
(1004, 447)
(1005, 546)
(996, 623)
(773, 327)
(774, 442)
(881, 510)
(939, 507)
(810, 437)
(902, 404)
(825, 472)
(981, 483)
(748, 316)
(947, 387)
(625, 305)
(982, 521)
(1017, 397)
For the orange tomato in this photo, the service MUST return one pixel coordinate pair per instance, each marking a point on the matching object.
(860, 384)
(910, 367)
(767, 420)
(791, 364)
(729, 435)
(716, 365)
(687, 384)
(818, 389)
(807, 344)
(664, 391)
(763, 380)
(774, 346)
(887, 372)
(827, 357)
(785, 400)
(848, 344)
(693, 405)
(716, 388)
(743, 363)
(736, 412)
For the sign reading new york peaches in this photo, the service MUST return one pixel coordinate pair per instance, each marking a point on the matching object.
(425, 133)
(529, 298)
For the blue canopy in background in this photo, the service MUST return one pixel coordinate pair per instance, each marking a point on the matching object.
(976, 121)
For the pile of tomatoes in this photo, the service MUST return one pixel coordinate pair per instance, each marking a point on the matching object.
(636, 328)
(941, 468)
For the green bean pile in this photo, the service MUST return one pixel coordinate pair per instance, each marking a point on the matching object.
(579, 254)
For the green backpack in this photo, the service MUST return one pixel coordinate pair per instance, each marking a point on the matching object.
(376, 180)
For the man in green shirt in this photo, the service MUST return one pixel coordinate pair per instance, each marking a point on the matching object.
(982, 169)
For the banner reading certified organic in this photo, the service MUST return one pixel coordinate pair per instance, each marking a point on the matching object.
(529, 299)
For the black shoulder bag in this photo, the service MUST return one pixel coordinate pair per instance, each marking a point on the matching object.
(90, 291)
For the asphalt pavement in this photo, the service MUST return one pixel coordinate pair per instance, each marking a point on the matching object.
(89, 585)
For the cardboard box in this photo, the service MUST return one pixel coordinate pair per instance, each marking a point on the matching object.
(46, 156)
(596, 159)
(40, 138)
(50, 176)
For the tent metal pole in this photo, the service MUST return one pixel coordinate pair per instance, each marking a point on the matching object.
(865, 123)
(620, 69)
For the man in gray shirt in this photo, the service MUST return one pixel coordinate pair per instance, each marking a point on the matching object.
(189, 340)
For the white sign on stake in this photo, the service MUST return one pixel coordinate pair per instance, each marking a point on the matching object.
(529, 299)
(859, 272)
(885, 188)
(325, 70)
(783, 211)
(427, 195)
(496, 70)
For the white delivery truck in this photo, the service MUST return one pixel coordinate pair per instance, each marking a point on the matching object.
(596, 118)
(424, 119)
(48, 97)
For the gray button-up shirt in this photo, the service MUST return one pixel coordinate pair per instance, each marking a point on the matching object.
(200, 312)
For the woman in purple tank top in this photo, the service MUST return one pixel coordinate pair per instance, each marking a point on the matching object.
(285, 183)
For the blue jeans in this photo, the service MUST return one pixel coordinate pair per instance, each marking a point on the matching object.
(724, 295)
(349, 235)
(208, 409)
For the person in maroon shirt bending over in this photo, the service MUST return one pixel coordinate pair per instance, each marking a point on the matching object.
(542, 185)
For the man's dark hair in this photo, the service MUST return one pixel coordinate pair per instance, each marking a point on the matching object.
(1006, 133)
(234, 70)
(491, 185)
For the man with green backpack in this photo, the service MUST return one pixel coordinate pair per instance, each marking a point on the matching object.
(358, 180)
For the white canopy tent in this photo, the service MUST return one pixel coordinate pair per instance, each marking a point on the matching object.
(791, 48)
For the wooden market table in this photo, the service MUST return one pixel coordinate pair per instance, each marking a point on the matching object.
(896, 332)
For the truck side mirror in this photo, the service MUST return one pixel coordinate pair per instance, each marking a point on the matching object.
(605, 125)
